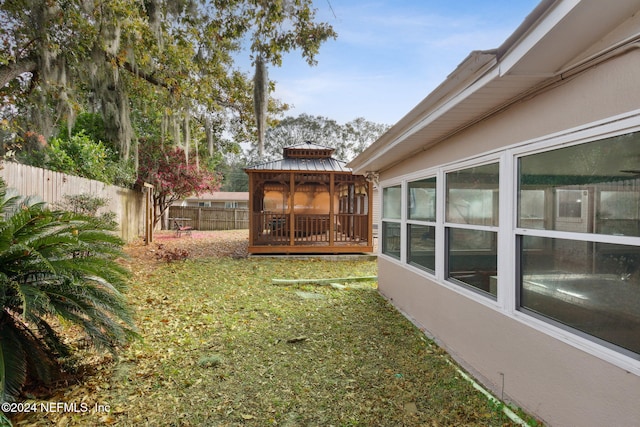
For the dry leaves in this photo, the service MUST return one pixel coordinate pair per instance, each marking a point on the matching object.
(222, 346)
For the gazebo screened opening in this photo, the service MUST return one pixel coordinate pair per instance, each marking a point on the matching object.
(308, 202)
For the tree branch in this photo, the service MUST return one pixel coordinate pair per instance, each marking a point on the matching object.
(15, 69)
(145, 76)
(158, 82)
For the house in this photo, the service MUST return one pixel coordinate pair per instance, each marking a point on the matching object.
(308, 202)
(218, 199)
(510, 226)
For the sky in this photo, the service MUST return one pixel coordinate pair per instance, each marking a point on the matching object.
(389, 55)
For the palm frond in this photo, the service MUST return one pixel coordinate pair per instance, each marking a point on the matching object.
(13, 366)
(60, 264)
(103, 315)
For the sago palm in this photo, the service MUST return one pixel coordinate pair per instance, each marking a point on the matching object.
(55, 266)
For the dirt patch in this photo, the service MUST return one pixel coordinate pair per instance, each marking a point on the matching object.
(200, 244)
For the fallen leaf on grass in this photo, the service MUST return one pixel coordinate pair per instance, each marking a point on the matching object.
(410, 408)
(344, 373)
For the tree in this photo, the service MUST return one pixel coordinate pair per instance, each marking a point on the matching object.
(234, 177)
(55, 265)
(175, 57)
(165, 168)
(360, 133)
(348, 140)
(79, 155)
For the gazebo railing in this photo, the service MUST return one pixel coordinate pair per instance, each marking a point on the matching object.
(270, 227)
(274, 228)
(312, 227)
(351, 227)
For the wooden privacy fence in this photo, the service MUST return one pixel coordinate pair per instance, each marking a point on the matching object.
(51, 187)
(203, 218)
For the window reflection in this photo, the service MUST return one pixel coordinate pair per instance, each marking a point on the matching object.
(592, 287)
(472, 206)
(618, 213)
(595, 188)
(422, 200)
(391, 210)
(392, 202)
(422, 243)
(472, 199)
(472, 195)
(473, 259)
(391, 239)
(589, 286)
(570, 203)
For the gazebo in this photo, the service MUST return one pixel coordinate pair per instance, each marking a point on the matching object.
(308, 202)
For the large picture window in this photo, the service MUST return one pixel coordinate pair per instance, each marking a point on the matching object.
(421, 223)
(472, 221)
(590, 283)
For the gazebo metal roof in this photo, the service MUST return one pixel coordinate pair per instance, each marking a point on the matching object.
(306, 157)
(314, 165)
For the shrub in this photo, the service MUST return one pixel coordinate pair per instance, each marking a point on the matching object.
(89, 205)
(55, 265)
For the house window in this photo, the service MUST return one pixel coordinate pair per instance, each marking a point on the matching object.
(231, 205)
(580, 263)
(472, 226)
(391, 216)
(421, 223)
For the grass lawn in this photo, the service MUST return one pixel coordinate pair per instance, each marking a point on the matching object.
(223, 346)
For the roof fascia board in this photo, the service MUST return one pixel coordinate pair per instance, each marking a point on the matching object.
(516, 50)
(469, 70)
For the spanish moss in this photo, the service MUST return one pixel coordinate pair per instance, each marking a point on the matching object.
(260, 100)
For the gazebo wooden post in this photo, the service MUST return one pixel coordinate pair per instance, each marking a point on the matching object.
(148, 214)
(292, 220)
(332, 227)
(252, 206)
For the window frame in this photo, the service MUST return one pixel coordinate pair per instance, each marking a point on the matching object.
(587, 341)
(591, 132)
(421, 222)
(449, 225)
(391, 220)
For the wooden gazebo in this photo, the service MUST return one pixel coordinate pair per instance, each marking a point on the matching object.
(308, 202)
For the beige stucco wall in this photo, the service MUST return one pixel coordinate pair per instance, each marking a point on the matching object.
(561, 384)
(558, 382)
